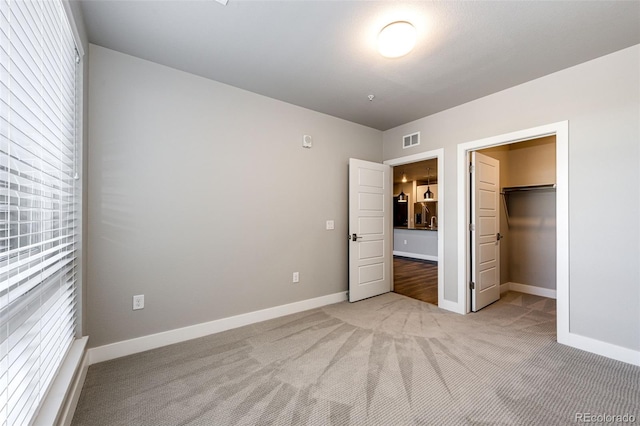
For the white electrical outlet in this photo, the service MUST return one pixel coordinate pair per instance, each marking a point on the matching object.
(330, 225)
(296, 277)
(138, 302)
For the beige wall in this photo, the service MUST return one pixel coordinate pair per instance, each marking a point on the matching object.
(202, 199)
(532, 235)
(601, 101)
(532, 215)
(532, 162)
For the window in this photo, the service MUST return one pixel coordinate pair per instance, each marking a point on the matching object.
(39, 201)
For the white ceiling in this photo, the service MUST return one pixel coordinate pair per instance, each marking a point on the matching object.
(321, 54)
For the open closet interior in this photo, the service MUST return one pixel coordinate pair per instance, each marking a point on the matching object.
(527, 215)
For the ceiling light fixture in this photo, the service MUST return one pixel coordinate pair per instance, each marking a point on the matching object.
(396, 39)
(428, 196)
(404, 178)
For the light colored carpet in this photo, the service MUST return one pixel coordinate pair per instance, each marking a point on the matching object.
(389, 360)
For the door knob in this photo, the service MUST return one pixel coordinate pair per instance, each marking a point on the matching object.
(499, 236)
(353, 237)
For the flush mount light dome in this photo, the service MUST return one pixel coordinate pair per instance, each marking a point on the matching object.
(396, 39)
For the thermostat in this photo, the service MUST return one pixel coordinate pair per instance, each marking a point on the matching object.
(307, 142)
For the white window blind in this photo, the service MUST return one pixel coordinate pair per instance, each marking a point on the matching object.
(39, 201)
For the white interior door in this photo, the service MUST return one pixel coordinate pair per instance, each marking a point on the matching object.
(485, 237)
(370, 229)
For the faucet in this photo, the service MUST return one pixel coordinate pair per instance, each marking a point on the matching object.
(434, 219)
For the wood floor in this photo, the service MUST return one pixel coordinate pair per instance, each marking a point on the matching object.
(416, 278)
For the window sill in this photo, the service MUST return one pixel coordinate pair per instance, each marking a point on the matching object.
(60, 402)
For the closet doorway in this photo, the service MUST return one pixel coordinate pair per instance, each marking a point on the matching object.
(525, 208)
(561, 132)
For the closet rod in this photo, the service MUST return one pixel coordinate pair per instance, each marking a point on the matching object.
(509, 189)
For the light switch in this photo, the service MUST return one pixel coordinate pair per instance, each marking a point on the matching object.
(330, 225)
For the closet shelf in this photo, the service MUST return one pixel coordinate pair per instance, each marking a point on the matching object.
(510, 189)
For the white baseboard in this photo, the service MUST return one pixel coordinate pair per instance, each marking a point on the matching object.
(601, 348)
(69, 379)
(152, 341)
(415, 255)
(530, 289)
(575, 340)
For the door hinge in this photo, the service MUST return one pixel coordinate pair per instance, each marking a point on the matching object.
(471, 168)
(77, 57)
(472, 285)
(472, 227)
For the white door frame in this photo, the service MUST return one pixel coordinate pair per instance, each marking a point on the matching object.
(438, 154)
(561, 132)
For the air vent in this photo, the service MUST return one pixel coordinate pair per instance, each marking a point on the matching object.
(411, 140)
